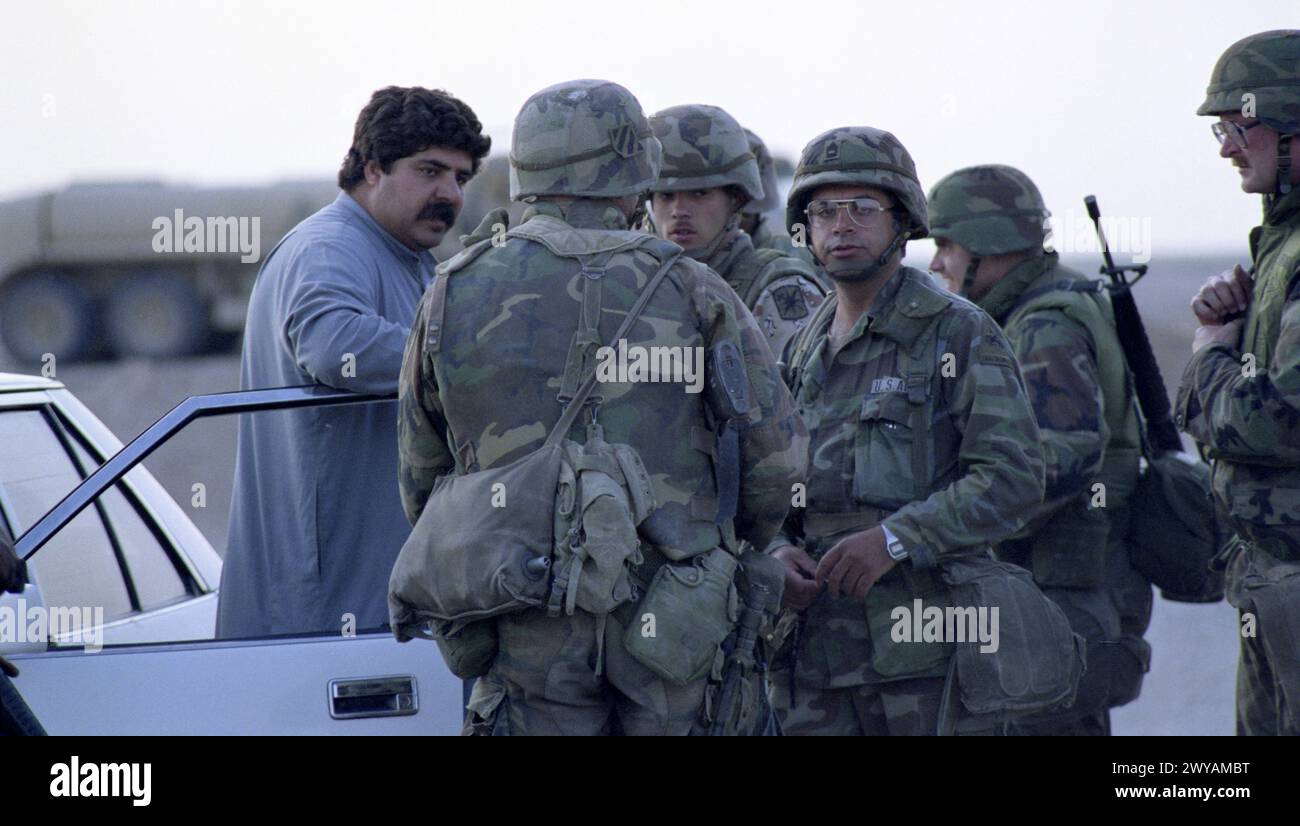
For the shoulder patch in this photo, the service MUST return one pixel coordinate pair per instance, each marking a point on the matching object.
(790, 302)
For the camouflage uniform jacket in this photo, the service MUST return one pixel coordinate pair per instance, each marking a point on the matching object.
(982, 463)
(1079, 385)
(1245, 405)
(488, 396)
(782, 291)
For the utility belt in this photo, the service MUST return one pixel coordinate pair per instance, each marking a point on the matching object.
(832, 524)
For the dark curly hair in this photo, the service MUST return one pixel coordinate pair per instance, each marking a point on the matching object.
(400, 121)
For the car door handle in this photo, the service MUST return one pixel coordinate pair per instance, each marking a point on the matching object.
(373, 697)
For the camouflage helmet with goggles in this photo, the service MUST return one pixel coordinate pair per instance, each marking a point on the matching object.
(583, 138)
(858, 155)
(1259, 76)
(989, 209)
(704, 147)
(767, 174)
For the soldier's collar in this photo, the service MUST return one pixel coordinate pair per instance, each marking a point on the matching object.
(1280, 210)
(582, 213)
(1004, 296)
(877, 314)
(717, 253)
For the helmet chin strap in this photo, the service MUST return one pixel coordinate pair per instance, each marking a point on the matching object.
(1283, 164)
(969, 280)
(706, 252)
(875, 266)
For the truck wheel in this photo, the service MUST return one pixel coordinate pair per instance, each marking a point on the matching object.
(48, 313)
(157, 316)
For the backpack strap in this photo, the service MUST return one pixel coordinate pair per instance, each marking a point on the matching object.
(575, 404)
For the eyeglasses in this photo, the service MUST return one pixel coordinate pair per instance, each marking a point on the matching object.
(1224, 129)
(864, 212)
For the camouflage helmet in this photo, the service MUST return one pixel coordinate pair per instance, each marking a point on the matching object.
(704, 147)
(858, 155)
(583, 138)
(989, 210)
(767, 174)
(1259, 73)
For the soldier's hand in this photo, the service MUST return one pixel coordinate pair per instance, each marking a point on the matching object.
(1229, 334)
(801, 586)
(855, 564)
(12, 570)
(1224, 294)
(10, 670)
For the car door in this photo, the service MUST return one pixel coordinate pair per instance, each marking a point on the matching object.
(137, 667)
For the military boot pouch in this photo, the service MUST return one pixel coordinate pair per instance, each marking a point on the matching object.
(687, 611)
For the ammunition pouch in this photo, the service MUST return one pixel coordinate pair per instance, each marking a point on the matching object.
(687, 612)
(1174, 532)
(1038, 660)
(604, 493)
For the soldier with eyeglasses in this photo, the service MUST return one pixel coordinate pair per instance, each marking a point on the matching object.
(891, 362)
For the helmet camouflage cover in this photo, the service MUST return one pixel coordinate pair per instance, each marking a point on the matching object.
(1259, 76)
(766, 173)
(583, 138)
(704, 147)
(858, 155)
(989, 210)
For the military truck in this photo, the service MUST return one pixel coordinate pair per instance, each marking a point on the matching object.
(138, 268)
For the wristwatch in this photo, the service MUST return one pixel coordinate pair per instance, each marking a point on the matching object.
(893, 546)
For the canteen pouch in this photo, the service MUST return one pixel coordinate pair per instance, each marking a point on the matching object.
(469, 649)
(1038, 660)
(469, 559)
(1174, 532)
(688, 610)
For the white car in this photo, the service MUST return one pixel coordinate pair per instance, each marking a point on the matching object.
(113, 546)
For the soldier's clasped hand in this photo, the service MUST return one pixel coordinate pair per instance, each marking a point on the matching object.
(1223, 295)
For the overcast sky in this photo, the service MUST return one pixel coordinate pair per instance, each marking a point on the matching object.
(1083, 96)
